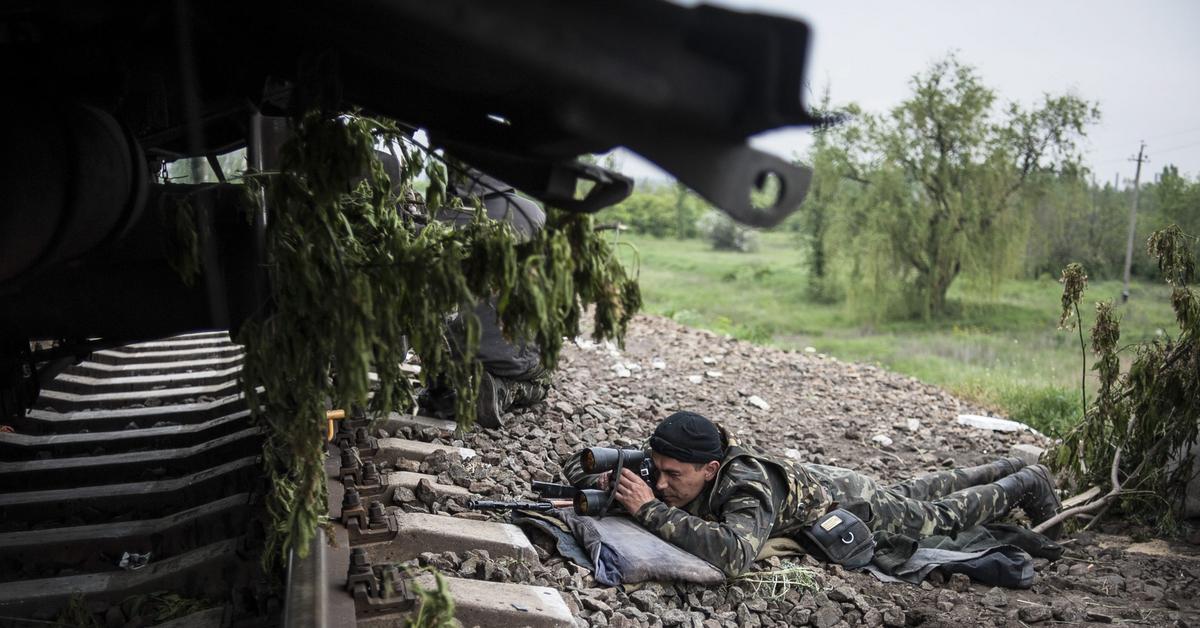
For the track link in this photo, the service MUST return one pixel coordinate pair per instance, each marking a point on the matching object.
(137, 472)
(148, 449)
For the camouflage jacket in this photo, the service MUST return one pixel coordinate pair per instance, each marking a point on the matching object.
(753, 497)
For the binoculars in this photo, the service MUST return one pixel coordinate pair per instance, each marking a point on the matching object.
(594, 460)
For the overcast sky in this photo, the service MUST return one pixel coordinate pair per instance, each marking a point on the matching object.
(1139, 60)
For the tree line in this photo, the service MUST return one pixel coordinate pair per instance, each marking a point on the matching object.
(950, 184)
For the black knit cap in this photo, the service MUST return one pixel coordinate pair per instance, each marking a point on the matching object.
(688, 437)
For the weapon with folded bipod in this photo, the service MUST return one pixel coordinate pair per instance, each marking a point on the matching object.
(551, 496)
(492, 504)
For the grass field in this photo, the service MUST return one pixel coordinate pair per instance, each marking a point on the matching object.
(1002, 350)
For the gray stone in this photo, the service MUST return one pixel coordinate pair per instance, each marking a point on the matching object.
(894, 618)
(469, 567)
(1064, 610)
(591, 603)
(425, 492)
(1109, 584)
(960, 582)
(841, 593)
(995, 597)
(745, 617)
(826, 616)
(621, 621)
(644, 599)
(1029, 454)
(1034, 614)
(410, 466)
(403, 494)
(675, 617)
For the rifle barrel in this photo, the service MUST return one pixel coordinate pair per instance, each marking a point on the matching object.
(490, 504)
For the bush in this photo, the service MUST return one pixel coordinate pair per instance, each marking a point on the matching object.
(726, 235)
(1143, 421)
(662, 211)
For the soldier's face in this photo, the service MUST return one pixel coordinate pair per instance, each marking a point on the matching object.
(680, 482)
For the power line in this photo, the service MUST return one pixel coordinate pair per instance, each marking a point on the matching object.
(1157, 137)
(1181, 146)
(1164, 150)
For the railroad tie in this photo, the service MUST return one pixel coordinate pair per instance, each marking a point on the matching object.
(407, 535)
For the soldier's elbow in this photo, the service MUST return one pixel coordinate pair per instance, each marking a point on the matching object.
(739, 564)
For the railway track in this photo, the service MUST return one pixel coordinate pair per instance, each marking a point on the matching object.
(131, 495)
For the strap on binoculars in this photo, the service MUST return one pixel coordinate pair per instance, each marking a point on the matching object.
(613, 478)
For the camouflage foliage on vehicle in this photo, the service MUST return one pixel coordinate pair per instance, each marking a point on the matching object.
(354, 271)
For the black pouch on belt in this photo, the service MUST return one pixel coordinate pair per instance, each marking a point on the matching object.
(843, 538)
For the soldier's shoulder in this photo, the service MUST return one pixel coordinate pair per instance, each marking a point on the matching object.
(743, 470)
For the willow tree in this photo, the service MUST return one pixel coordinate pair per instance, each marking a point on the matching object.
(828, 190)
(942, 176)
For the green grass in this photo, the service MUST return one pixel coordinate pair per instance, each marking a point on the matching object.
(1001, 349)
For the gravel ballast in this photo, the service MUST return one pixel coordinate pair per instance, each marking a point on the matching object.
(802, 405)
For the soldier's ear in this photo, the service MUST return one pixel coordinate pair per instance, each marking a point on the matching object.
(710, 470)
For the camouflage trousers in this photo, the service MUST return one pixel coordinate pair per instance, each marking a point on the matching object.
(939, 503)
(527, 390)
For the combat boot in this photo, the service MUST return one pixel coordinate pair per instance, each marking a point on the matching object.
(1032, 489)
(527, 392)
(490, 406)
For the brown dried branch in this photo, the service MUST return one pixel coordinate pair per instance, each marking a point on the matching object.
(1089, 507)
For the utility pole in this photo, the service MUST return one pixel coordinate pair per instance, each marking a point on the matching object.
(1133, 220)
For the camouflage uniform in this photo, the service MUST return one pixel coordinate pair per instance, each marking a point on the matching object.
(522, 391)
(756, 496)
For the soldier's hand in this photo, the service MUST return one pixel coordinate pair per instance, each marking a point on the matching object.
(602, 482)
(632, 491)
